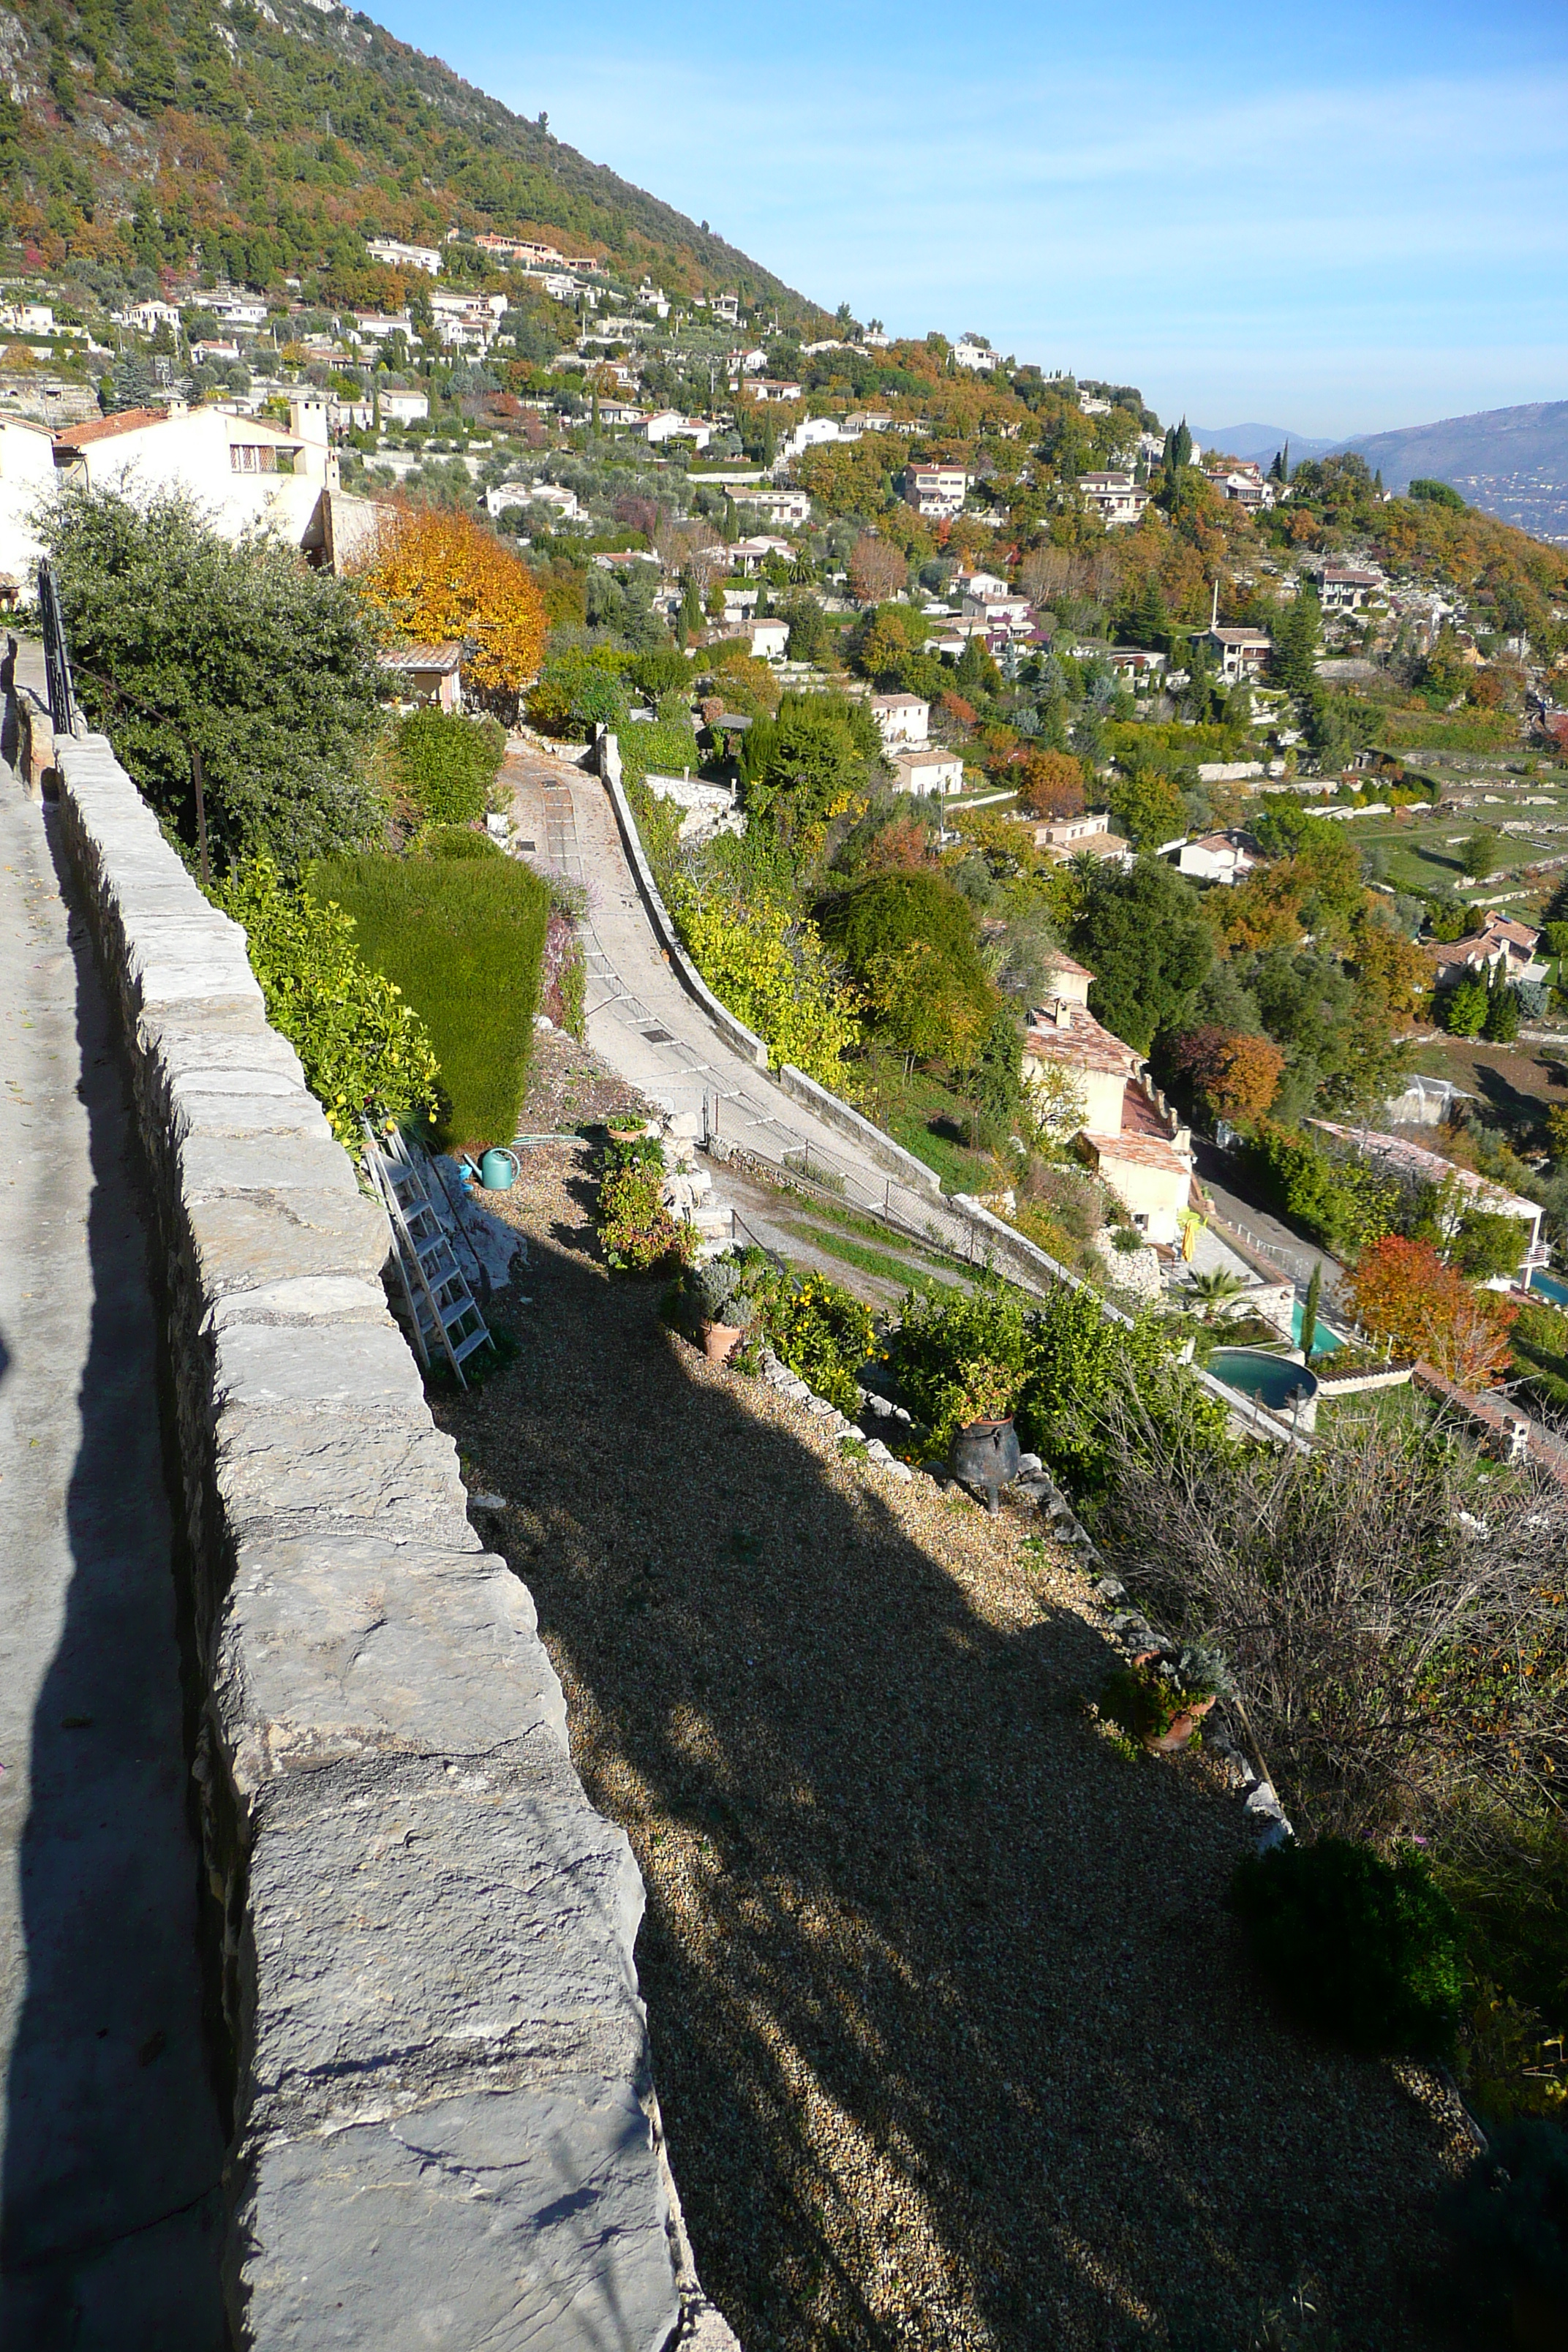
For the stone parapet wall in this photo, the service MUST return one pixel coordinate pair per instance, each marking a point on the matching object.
(422, 1930)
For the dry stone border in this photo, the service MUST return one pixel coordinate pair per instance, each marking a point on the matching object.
(421, 1933)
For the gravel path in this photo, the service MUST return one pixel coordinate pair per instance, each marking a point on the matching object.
(954, 2039)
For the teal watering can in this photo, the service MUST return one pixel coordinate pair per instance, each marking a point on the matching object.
(498, 1169)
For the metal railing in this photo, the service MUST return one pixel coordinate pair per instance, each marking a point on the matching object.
(56, 654)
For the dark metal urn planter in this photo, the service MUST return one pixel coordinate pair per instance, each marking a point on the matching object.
(985, 1455)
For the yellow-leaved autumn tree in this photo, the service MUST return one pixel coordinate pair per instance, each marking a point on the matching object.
(434, 575)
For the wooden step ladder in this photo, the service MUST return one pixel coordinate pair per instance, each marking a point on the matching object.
(442, 1314)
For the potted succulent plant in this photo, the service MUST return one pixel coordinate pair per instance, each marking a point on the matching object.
(1164, 1694)
(715, 1306)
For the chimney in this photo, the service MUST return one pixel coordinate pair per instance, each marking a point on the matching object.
(1061, 1013)
(308, 418)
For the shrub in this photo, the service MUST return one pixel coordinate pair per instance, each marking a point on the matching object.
(773, 973)
(363, 1048)
(819, 1328)
(1509, 2216)
(446, 764)
(665, 747)
(579, 688)
(463, 940)
(1361, 1947)
(636, 1231)
(953, 1353)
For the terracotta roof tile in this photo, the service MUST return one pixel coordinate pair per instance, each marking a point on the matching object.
(103, 429)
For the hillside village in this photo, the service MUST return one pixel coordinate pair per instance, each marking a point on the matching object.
(905, 1038)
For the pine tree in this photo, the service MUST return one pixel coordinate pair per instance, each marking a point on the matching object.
(1151, 617)
(131, 385)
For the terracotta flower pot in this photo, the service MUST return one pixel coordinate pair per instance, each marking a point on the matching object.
(1182, 1727)
(719, 1340)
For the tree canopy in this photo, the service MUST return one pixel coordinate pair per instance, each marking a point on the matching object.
(183, 640)
(1144, 936)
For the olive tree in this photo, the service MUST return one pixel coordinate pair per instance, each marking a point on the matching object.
(181, 641)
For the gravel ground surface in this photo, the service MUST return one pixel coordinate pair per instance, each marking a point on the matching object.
(569, 1086)
(955, 2042)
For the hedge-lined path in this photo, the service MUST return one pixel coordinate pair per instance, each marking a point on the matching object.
(955, 2038)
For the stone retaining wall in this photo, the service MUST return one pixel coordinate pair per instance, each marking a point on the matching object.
(422, 1931)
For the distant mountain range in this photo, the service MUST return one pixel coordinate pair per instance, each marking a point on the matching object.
(1258, 441)
(1510, 462)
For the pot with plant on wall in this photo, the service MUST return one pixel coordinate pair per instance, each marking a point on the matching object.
(984, 1451)
(1162, 1697)
(714, 1306)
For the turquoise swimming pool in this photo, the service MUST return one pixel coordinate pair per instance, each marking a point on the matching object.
(1550, 1287)
(1327, 1336)
(1272, 1381)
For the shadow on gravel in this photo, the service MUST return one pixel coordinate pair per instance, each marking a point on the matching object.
(952, 2033)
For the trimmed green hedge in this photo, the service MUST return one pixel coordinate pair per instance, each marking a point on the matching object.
(463, 939)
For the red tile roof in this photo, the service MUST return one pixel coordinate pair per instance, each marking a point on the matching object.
(103, 429)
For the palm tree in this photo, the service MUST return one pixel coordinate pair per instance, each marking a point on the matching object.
(1215, 1291)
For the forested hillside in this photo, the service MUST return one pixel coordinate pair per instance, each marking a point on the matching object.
(267, 141)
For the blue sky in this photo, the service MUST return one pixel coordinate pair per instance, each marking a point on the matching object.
(1337, 220)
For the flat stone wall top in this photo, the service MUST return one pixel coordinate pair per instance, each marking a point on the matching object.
(442, 2127)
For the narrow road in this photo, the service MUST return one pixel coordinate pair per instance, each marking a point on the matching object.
(109, 2140)
(647, 1027)
(1292, 1252)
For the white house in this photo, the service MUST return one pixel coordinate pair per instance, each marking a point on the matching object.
(770, 639)
(668, 424)
(148, 317)
(405, 407)
(379, 326)
(398, 256)
(749, 556)
(1462, 1188)
(936, 489)
(244, 472)
(27, 318)
(926, 768)
(975, 351)
(532, 494)
(779, 506)
(235, 310)
(26, 475)
(1216, 858)
(902, 718)
(1119, 497)
(1240, 653)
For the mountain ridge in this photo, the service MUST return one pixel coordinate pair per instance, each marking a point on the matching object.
(271, 143)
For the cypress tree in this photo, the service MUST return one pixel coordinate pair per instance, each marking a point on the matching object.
(1310, 1310)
